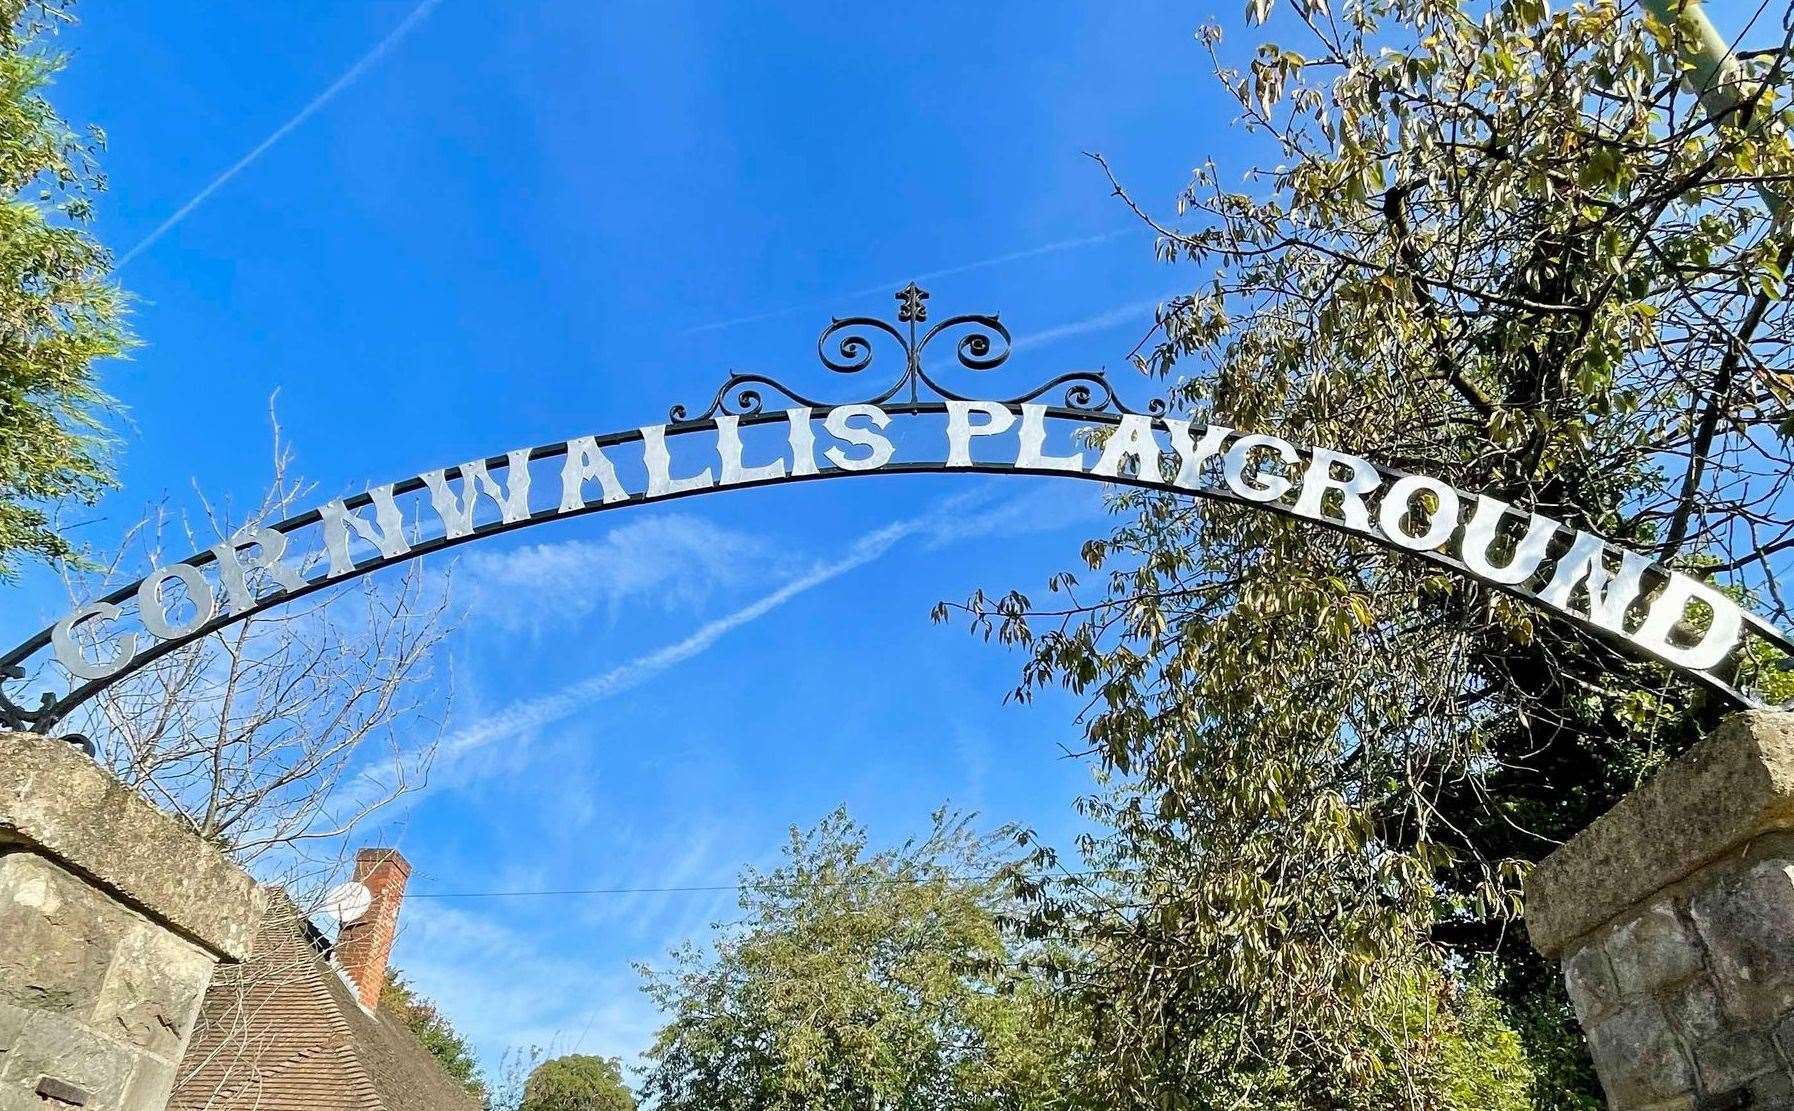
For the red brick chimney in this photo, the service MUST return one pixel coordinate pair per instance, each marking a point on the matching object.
(365, 945)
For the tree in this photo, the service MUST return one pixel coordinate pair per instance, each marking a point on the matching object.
(433, 1029)
(279, 735)
(1504, 246)
(60, 312)
(578, 1082)
(275, 739)
(863, 979)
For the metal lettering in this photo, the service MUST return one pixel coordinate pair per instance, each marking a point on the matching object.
(1256, 485)
(1667, 614)
(1192, 456)
(1688, 625)
(659, 462)
(1479, 538)
(458, 513)
(1608, 596)
(1398, 504)
(233, 570)
(1031, 454)
(153, 612)
(1318, 479)
(1132, 439)
(68, 652)
(387, 533)
(879, 448)
(728, 446)
(1414, 513)
(960, 428)
(586, 461)
(801, 435)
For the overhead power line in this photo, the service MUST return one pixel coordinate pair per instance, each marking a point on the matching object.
(712, 889)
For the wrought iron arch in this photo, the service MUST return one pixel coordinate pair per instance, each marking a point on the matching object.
(1623, 597)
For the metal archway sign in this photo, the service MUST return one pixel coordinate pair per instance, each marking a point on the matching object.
(739, 442)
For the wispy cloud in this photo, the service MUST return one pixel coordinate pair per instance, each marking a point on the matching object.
(344, 80)
(1043, 507)
(510, 988)
(962, 517)
(534, 713)
(958, 517)
(694, 865)
(836, 300)
(677, 560)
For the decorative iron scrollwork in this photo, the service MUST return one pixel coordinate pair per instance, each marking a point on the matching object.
(847, 346)
(16, 717)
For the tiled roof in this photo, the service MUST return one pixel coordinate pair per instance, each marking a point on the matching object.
(283, 1032)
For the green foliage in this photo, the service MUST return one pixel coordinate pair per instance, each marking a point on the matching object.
(577, 1082)
(864, 979)
(60, 313)
(434, 1031)
(1502, 246)
(1563, 1076)
(1449, 1047)
(1483, 1061)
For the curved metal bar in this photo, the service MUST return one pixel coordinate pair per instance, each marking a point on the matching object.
(855, 349)
(748, 402)
(16, 717)
(1088, 397)
(844, 347)
(975, 349)
(1087, 391)
(53, 710)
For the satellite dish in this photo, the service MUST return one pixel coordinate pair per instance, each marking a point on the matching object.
(347, 902)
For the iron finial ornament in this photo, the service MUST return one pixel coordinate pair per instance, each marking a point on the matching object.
(846, 346)
(910, 309)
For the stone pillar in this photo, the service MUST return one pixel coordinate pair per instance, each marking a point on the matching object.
(112, 917)
(1673, 917)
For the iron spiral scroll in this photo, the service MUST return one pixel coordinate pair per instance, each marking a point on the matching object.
(847, 346)
(13, 716)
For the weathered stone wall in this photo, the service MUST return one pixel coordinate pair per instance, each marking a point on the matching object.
(1693, 998)
(112, 918)
(92, 995)
(1673, 916)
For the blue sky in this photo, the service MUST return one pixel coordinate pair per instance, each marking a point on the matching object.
(520, 223)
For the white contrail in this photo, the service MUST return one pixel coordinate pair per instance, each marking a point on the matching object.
(1120, 314)
(890, 286)
(536, 712)
(952, 518)
(348, 77)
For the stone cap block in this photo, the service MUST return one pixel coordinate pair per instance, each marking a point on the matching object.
(1720, 795)
(56, 802)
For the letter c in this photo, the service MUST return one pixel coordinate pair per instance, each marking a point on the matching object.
(68, 652)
